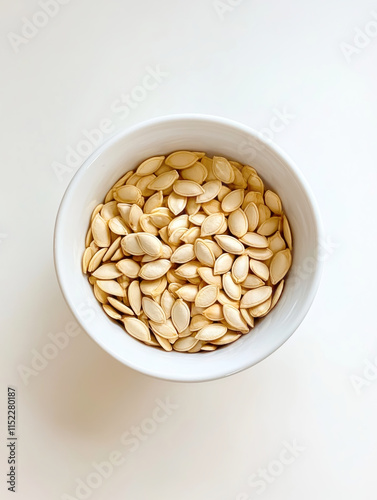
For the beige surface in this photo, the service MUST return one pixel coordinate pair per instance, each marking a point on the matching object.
(260, 59)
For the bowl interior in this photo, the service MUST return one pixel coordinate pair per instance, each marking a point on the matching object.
(214, 136)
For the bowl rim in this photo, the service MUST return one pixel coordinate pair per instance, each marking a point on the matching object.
(179, 117)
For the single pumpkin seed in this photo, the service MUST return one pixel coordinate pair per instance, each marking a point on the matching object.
(269, 226)
(253, 298)
(180, 315)
(208, 276)
(164, 181)
(111, 287)
(181, 159)
(254, 240)
(100, 231)
(187, 188)
(107, 271)
(252, 214)
(134, 297)
(197, 173)
(153, 310)
(128, 267)
(120, 306)
(212, 224)
(223, 263)
(261, 309)
(136, 328)
(150, 165)
(233, 317)
(130, 244)
(273, 202)
(238, 223)
(233, 200)
(231, 288)
(211, 190)
(214, 312)
(185, 344)
(228, 338)
(207, 296)
(109, 210)
(155, 269)
(280, 265)
(211, 332)
(204, 253)
(127, 194)
(287, 232)
(230, 244)
(188, 292)
(240, 269)
(222, 170)
(110, 311)
(86, 258)
(176, 203)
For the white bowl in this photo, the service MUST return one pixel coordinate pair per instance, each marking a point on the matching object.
(216, 136)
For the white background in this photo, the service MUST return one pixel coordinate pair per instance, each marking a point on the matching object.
(256, 57)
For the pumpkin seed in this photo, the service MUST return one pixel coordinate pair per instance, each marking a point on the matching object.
(233, 200)
(117, 304)
(110, 287)
(203, 253)
(153, 310)
(187, 188)
(176, 203)
(100, 231)
(208, 276)
(127, 194)
(86, 258)
(222, 170)
(180, 315)
(261, 310)
(280, 265)
(214, 312)
(286, 231)
(233, 317)
(228, 338)
(231, 288)
(108, 271)
(269, 226)
(255, 240)
(197, 173)
(134, 297)
(223, 263)
(230, 244)
(212, 224)
(136, 328)
(150, 166)
(155, 269)
(211, 190)
(110, 311)
(240, 269)
(238, 223)
(181, 159)
(206, 296)
(128, 267)
(150, 244)
(211, 332)
(253, 298)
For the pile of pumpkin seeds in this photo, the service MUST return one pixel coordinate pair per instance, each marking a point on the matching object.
(188, 251)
